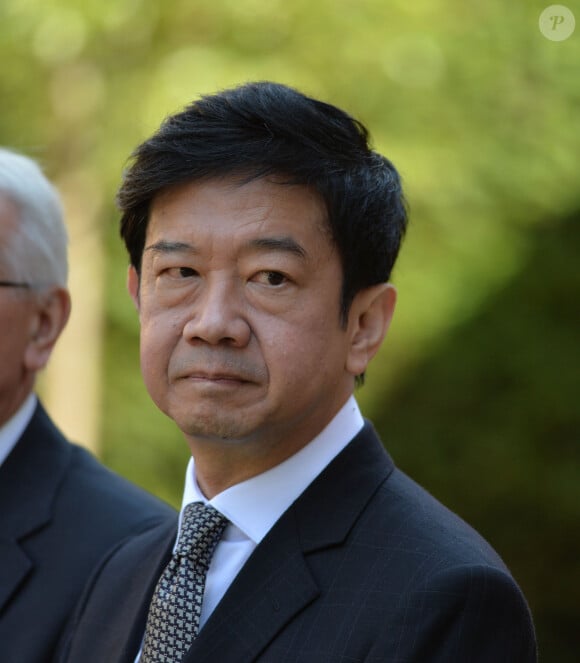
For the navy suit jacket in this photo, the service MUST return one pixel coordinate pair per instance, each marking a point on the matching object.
(364, 566)
(60, 512)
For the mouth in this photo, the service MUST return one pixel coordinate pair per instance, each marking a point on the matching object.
(216, 378)
(215, 371)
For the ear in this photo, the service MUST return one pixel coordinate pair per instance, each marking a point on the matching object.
(369, 318)
(49, 317)
(133, 285)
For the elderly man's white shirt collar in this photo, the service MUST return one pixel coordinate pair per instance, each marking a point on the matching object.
(254, 505)
(12, 430)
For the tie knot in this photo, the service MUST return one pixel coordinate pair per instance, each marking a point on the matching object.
(201, 529)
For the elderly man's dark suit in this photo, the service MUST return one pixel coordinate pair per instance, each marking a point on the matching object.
(60, 512)
(364, 566)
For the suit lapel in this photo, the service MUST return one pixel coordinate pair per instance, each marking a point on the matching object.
(272, 587)
(115, 606)
(13, 570)
(39, 459)
(276, 584)
(133, 619)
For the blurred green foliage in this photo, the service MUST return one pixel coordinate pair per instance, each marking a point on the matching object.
(489, 422)
(475, 391)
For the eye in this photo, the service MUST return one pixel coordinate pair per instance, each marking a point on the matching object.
(180, 272)
(271, 278)
(186, 272)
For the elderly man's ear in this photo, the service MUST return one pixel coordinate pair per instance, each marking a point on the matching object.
(48, 317)
(369, 318)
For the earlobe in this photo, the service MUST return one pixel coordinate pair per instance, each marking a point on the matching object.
(133, 285)
(369, 320)
(49, 319)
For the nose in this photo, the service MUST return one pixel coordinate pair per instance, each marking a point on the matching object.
(217, 316)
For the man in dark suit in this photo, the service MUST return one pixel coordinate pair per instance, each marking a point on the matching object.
(60, 509)
(262, 231)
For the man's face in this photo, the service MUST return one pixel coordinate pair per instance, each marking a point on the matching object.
(16, 316)
(238, 300)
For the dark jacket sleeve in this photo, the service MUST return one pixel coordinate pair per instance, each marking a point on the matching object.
(466, 613)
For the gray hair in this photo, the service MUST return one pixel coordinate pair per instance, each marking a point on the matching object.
(38, 252)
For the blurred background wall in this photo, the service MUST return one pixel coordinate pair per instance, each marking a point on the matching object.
(476, 390)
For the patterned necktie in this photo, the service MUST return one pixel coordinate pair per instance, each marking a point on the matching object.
(173, 620)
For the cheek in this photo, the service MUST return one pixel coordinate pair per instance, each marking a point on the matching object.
(13, 344)
(11, 360)
(158, 338)
(151, 371)
(302, 352)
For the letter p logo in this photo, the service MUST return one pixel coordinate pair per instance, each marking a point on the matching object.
(557, 22)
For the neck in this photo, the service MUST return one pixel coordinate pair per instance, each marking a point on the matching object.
(222, 464)
(10, 403)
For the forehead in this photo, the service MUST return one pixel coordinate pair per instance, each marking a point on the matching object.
(228, 209)
(8, 214)
(8, 225)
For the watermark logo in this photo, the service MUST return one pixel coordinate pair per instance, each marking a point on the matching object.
(557, 22)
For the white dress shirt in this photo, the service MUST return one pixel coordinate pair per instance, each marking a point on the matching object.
(12, 430)
(254, 506)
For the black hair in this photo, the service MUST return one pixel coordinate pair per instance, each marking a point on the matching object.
(263, 129)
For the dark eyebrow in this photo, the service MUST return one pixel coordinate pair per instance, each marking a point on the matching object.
(163, 246)
(286, 244)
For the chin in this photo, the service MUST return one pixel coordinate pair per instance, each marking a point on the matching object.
(223, 429)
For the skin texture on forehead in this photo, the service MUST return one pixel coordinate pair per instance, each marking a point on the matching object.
(8, 227)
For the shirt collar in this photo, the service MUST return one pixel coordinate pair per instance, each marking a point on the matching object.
(12, 430)
(254, 505)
